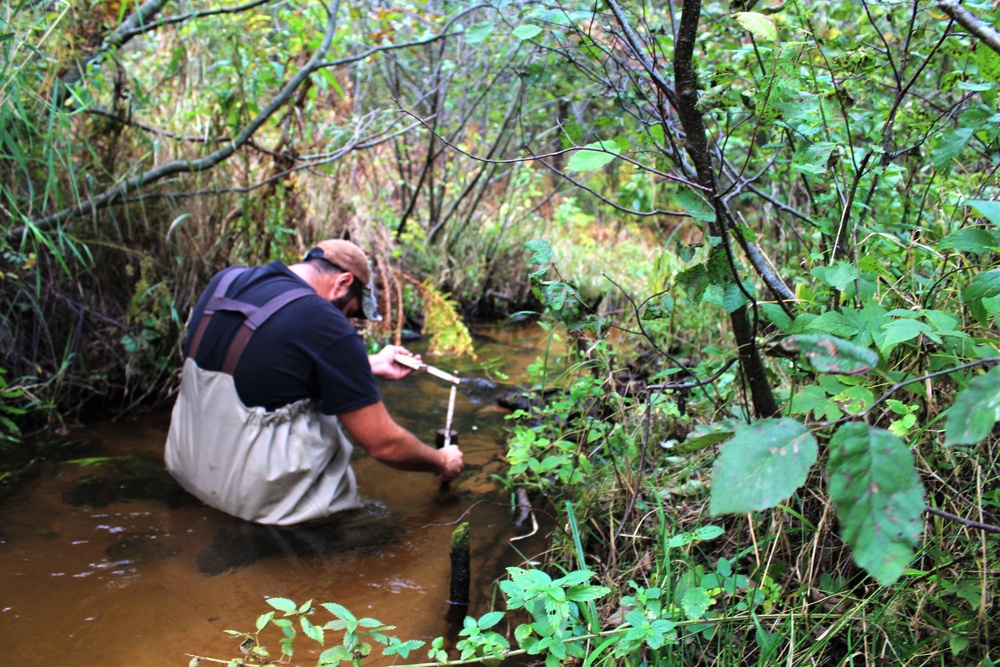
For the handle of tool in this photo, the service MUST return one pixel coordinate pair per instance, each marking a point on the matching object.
(451, 413)
(416, 365)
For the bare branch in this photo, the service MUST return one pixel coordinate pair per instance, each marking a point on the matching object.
(149, 27)
(971, 22)
(968, 523)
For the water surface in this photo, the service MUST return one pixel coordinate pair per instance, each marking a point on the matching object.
(111, 564)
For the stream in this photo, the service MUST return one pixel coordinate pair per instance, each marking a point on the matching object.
(106, 561)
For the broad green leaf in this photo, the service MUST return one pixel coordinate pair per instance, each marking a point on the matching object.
(829, 354)
(705, 435)
(282, 604)
(479, 32)
(488, 620)
(988, 209)
(526, 31)
(838, 324)
(763, 464)
(900, 331)
(733, 297)
(811, 398)
(814, 158)
(952, 143)
(975, 411)
(878, 497)
(761, 26)
(983, 285)
(838, 275)
(696, 602)
(776, 315)
(541, 249)
(970, 239)
(593, 156)
(695, 206)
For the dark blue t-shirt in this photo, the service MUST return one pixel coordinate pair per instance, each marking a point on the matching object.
(308, 349)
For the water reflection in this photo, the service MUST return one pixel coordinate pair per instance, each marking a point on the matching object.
(114, 565)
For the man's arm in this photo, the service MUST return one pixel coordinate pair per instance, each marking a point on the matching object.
(375, 431)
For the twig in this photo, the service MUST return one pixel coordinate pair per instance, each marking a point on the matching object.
(968, 523)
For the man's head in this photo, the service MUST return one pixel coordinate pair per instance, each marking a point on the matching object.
(344, 257)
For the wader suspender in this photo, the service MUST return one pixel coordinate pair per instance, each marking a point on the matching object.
(254, 316)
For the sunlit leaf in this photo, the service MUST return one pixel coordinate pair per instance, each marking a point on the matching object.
(988, 209)
(975, 411)
(695, 603)
(477, 33)
(762, 465)
(829, 354)
(593, 156)
(761, 26)
(282, 604)
(526, 31)
(878, 497)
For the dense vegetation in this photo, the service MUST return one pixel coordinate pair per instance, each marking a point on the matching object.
(765, 232)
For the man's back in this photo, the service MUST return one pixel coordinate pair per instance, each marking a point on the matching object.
(308, 349)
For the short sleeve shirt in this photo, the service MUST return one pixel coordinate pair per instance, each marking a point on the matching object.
(307, 349)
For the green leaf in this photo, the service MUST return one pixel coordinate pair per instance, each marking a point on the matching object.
(970, 239)
(695, 603)
(542, 251)
(282, 604)
(761, 26)
(829, 354)
(878, 497)
(526, 31)
(706, 533)
(695, 206)
(763, 464)
(490, 619)
(900, 331)
(983, 285)
(708, 434)
(838, 275)
(988, 61)
(953, 142)
(776, 315)
(334, 655)
(479, 32)
(593, 156)
(975, 411)
(988, 209)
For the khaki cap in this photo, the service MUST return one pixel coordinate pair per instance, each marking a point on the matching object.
(352, 259)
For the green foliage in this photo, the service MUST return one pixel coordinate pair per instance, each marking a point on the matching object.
(763, 464)
(878, 497)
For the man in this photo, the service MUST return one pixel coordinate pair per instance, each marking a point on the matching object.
(273, 369)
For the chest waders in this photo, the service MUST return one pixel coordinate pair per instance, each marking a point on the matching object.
(280, 467)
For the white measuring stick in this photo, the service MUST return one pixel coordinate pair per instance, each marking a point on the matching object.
(421, 366)
(451, 412)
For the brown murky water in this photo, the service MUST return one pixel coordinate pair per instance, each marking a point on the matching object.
(133, 573)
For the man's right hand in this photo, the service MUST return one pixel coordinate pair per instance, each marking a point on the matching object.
(452, 463)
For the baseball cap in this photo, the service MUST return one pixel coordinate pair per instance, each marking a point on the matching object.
(352, 259)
